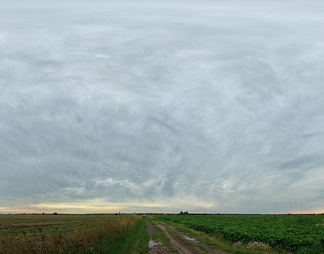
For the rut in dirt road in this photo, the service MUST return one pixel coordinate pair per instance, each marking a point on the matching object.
(155, 248)
(176, 244)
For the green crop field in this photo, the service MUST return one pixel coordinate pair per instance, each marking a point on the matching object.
(293, 233)
(24, 234)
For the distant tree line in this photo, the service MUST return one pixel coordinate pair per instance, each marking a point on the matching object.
(184, 213)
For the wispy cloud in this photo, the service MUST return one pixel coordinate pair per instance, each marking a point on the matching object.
(213, 106)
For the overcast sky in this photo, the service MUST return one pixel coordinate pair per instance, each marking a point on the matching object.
(162, 106)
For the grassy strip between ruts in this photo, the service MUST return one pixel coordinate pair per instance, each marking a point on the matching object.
(109, 235)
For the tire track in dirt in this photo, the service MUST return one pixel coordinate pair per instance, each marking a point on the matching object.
(175, 243)
(156, 248)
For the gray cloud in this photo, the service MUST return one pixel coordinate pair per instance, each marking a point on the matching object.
(209, 107)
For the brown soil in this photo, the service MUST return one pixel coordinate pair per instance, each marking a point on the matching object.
(150, 229)
(158, 249)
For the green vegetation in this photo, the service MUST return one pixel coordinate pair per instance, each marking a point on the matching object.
(136, 242)
(295, 233)
(24, 234)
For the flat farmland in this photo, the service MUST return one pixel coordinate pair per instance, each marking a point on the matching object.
(222, 234)
(282, 233)
(71, 234)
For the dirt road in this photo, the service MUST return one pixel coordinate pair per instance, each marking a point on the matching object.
(181, 242)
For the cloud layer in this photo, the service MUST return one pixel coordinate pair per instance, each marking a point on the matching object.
(209, 106)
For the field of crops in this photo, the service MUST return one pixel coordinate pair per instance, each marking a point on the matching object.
(295, 233)
(24, 234)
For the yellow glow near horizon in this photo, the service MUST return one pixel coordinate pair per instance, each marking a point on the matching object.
(317, 211)
(93, 206)
(102, 206)
(89, 206)
(77, 206)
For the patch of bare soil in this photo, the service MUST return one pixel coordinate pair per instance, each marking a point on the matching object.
(158, 249)
(150, 229)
